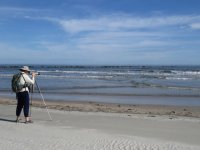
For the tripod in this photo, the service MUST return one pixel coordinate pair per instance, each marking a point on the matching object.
(32, 90)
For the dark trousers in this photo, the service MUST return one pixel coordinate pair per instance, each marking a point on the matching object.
(22, 102)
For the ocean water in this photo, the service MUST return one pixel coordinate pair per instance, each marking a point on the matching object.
(165, 85)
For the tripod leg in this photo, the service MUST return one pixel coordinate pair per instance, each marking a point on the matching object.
(43, 100)
(30, 105)
(32, 90)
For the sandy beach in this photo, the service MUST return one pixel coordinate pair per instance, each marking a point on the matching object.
(97, 129)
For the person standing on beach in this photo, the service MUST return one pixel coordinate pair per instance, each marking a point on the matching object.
(23, 95)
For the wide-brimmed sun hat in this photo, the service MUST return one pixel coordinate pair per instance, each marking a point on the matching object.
(25, 68)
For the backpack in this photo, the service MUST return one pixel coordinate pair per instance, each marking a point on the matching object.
(16, 87)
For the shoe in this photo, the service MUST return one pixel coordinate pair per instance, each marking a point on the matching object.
(29, 121)
(17, 120)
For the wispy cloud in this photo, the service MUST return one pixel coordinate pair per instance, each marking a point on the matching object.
(125, 33)
(195, 26)
(21, 12)
(114, 22)
(123, 22)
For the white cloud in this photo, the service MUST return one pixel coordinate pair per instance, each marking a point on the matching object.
(21, 12)
(195, 26)
(82, 25)
(113, 23)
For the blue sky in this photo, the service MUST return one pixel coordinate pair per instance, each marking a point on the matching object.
(100, 32)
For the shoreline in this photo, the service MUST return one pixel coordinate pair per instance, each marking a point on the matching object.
(149, 110)
(161, 100)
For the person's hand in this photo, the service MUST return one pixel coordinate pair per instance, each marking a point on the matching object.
(33, 74)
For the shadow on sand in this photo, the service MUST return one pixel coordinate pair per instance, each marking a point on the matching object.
(7, 120)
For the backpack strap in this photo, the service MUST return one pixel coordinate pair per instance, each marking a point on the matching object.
(24, 81)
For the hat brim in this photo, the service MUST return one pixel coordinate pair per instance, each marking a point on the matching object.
(22, 69)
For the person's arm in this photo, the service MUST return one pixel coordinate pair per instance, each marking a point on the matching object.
(28, 79)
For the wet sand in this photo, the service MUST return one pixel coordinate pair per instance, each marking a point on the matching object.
(150, 110)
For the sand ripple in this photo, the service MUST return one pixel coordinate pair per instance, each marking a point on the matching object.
(42, 137)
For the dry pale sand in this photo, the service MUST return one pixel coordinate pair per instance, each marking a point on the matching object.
(75, 130)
